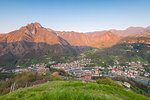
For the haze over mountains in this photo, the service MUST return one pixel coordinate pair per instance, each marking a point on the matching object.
(33, 40)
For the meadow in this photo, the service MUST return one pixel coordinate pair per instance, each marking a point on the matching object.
(72, 90)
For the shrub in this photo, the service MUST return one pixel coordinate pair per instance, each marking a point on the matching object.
(21, 80)
(57, 78)
(108, 81)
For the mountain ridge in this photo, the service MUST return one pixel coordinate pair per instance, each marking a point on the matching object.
(35, 39)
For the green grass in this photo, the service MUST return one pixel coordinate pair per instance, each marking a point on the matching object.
(101, 49)
(72, 90)
(114, 58)
(148, 51)
(142, 60)
(34, 61)
(22, 64)
(133, 59)
(91, 52)
(123, 50)
(138, 59)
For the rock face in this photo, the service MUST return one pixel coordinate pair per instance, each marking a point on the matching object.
(33, 40)
(106, 40)
(74, 38)
(96, 40)
(33, 32)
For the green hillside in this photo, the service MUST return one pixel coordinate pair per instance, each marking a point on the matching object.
(120, 54)
(72, 90)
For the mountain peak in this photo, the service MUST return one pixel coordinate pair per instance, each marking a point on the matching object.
(32, 26)
(36, 25)
(109, 33)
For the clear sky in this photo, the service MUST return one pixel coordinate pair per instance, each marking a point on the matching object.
(74, 15)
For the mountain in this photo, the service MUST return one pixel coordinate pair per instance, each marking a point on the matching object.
(93, 39)
(147, 29)
(31, 41)
(107, 39)
(33, 32)
(103, 39)
(74, 38)
(139, 38)
(34, 41)
(129, 31)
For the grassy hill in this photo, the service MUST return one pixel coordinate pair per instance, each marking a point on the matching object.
(72, 90)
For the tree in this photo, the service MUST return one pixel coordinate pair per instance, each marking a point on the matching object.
(49, 65)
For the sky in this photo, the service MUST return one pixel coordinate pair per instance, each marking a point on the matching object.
(74, 15)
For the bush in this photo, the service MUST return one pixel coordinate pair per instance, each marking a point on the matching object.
(108, 81)
(21, 80)
(57, 78)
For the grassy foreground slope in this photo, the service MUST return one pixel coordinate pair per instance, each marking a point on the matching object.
(72, 90)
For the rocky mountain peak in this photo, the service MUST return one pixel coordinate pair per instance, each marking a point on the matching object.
(109, 33)
(35, 25)
(32, 28)
(31, 25)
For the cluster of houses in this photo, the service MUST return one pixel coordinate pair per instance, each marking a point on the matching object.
(78, 69)
(133, 70)
(40, 68)
(85, 72)
(73, 65)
